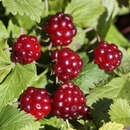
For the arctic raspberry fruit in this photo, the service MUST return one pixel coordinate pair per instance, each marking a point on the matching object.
(36, 101)
(68, 64)
(61, 29)
(26, 49)
(69, 102)
(108, 56)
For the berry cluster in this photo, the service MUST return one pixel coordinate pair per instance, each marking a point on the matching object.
(69, 102)
(68, 64)
(26, 49)
(36, 102)
(61, 29)
(108, 56)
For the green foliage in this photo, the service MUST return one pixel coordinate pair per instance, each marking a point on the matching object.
(18, 80)
(40, 80)
(31, 8)
(106, 18)
(85, 12)
(54, 122)
(78, 40)
(102, 88)
(25, 22)
(124, 10)
(120, 111)
(53, 8)
(3, 31)
(13, 119)
(117, 87)
(90, 77)
(99, 111)
(114, 36)
(112, 126)
(32, 126)
(14, 30)
(5, 62)
(124, 68)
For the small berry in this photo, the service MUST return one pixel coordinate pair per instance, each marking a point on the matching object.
(69, 102)
(61, 29)
(26, 49)
(107, 56)
(68, 64)
(36, 101)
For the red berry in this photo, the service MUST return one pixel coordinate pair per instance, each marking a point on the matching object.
(69, 101)
(84, 111)
(68, 64)
(61, 29)
(36, 101)
(26, 49)
(54, 55)
(108, 56)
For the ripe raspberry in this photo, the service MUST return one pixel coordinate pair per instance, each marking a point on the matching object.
(68, 64)
(69, 102)
(61, 29)
(36, 102)
(26, 49)
(108, 56)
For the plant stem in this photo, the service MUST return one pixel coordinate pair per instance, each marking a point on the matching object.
(50, 46)
(98, 38)
(8, 49)
(67, 122)
(41, 65)
(18, 103)
(93, 41)
(46, 5)
(39, 28)
(46, 40)
(88, 30)
(22, 31)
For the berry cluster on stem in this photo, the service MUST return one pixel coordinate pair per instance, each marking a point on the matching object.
(68, 101)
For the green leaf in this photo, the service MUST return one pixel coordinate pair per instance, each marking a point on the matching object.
(124, 67)
(99, 111)
(13, 119)
(106, 18)
(85, 12)
(31, 8)
(120, 112)
(123, 10)
(112, 126)
(40, 80)
(78, 40)
(32, 126)
(117, 87)
(90, 76)
(53, 8)
(54, 122)
(114, 36)
(25, 22)
(5, 62)
(3, 32)
(84, 57)
(18, 80)
(14, 30)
